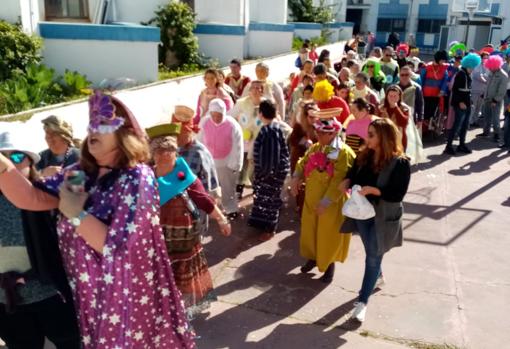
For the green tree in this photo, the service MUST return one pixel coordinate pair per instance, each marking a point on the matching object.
(179, 46)
(305, 11)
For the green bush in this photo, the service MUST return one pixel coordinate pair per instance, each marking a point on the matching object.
(179, 45)
(297, 42)
(306, 11)
(39, 86)
(17, 50)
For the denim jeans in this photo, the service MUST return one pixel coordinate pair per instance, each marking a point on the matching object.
(460, 125)
(492, 116)
(366, 229)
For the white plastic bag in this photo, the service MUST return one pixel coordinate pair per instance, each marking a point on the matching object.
(358, 207)
(414, 144)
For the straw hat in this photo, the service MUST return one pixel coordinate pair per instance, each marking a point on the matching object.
(329, 113)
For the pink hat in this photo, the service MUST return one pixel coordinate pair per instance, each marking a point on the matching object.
(494, 62)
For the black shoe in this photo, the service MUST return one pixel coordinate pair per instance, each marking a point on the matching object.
(309, 265)
(464, 149)
(327, 277)
(474, 125)
(449, 150)
(503, 146)
(483, 135)
(496, 138)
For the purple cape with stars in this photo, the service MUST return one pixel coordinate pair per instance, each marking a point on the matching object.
(125, 298)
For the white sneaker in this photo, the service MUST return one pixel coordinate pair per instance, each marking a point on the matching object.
(359, 312)
(380, 282)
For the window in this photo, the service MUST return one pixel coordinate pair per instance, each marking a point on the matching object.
(430, 25)
(391, 25)
(78, 9)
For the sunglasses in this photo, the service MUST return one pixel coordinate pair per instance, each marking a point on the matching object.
(404, 74)
(370, 66)
(16, 157)
(387, 55)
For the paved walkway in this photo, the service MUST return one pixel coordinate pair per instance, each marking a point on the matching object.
(448, 285)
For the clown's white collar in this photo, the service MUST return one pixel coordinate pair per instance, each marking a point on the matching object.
(336, 146)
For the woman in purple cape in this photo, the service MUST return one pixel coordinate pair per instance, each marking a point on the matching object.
(109, 235)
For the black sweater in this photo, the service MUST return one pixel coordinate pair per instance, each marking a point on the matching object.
(461, 90)
(394, 190)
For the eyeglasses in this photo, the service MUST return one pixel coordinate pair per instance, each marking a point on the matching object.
(403, 75)
(17, 157)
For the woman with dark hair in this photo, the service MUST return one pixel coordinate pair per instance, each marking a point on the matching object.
(35, 298)
(344, 91)
(383, 172)
(109, 235)
(394, 108)
(356, 126)
(213, 89)
(271, 160)
(302, 137)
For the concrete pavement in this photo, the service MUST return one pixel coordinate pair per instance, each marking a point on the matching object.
(448, 286)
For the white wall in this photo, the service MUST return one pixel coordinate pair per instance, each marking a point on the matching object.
(307, 33)
(136, 11)
(345, 33)
(10, 10)
(154, 103)
(222, 11)
(222, 47)
(268, 11)
(101, 59)
(268, 43)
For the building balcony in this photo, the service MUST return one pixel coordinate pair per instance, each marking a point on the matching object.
(360, 4)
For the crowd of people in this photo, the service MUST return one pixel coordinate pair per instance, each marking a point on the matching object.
(101, 242)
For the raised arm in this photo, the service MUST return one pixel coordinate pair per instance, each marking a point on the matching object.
(21, 192)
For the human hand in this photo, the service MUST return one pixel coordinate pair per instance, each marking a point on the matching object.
(295, 183)
(51, 171)
(462, 106)
(4, 163)
(493, 104)
(321, 208)
(71, 204)
(225, 227)
(368, 190)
